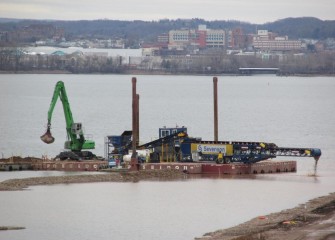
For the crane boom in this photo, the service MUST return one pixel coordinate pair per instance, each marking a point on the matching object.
(76, 141)
(60, 93)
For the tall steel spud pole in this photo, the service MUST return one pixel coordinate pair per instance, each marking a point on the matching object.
(215, 88)
(137, 119)
(134, 161)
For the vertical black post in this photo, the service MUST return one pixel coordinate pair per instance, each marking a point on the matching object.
(215, 82)
(134, 162)
(138, 119)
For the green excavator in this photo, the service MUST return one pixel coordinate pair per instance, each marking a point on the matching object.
(76, 143)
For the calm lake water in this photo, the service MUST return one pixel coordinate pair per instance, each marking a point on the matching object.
(288, 111)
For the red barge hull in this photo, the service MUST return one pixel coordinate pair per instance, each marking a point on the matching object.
(191, 168)
(232, 169)
(70, 166)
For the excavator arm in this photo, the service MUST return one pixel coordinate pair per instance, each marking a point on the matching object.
(76, 140)
(59, 92)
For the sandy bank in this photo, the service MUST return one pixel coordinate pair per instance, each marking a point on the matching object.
(20, 184)
(314, 220)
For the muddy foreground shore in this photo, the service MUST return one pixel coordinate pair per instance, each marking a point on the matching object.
(313, 220)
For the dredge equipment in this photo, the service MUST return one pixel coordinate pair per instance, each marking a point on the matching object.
(177, 146)
(240, 152)
(174, 145)
(76, 141)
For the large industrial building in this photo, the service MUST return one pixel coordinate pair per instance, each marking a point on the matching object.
(201, 38)
(267, 41)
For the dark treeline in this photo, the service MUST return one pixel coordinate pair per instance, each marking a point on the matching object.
(295, 28)
(314, 64)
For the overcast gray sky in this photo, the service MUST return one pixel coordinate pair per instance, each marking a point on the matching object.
(254, 11)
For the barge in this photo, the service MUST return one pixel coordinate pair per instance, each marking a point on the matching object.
(14, 166)
(229, 169)
(174, 149)
(70, 165)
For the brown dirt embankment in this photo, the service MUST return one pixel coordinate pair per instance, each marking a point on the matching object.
(314, 220)
(20, 184)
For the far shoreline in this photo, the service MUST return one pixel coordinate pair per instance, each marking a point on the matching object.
(162, 73)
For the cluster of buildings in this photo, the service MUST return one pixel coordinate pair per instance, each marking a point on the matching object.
(196, 40)
(49, 35)
(174, 42)
(201, 50)
(203, 38)
(268, 41)
(94, 43)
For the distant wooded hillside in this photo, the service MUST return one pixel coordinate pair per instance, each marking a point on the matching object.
(295, 28)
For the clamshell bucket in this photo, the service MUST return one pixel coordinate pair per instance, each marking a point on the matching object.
(47, 137)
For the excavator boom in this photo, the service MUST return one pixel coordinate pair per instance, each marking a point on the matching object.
(76, 141)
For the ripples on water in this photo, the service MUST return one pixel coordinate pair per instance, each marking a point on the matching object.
(291, 112)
